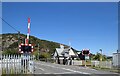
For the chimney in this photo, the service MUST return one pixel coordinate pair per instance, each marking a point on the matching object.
(61, 46)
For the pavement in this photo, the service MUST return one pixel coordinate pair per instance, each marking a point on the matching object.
(52, 68)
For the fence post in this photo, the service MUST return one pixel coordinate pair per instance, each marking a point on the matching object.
(33, 63)
(4, 64)
(14, 62)
(20, 64)
(7, 63)
(1, 63)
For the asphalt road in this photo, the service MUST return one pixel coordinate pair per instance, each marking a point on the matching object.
(52, 68)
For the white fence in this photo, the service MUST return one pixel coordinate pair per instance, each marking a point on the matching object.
(76, 62)
(102, 64)
(95, 63)
(17, 64)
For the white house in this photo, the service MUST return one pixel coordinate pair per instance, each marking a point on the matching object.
(67, 52)
(58, 52)
(64, 53)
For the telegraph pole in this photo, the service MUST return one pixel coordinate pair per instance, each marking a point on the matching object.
(18, 39)
(38, 52)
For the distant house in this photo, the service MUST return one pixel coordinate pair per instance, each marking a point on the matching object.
(64, 53)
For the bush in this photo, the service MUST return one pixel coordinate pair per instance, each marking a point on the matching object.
(41, 55)
(44, 55)
(12, 52)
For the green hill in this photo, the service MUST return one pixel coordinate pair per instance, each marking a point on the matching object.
(10, 41)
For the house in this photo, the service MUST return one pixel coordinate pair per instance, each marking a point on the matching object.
(62, 54)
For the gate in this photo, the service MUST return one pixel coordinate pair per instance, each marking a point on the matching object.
(17, 64)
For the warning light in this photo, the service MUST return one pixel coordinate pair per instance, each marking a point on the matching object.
(24, 48)
(85, 52)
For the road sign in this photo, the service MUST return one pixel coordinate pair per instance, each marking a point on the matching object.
(85, 52)
(86, 57)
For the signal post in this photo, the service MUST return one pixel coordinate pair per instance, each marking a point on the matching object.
(86, 53)
(26, 49)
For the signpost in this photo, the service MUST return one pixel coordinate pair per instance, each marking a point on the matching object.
(86, 57)
(86, 53)
(26, 49)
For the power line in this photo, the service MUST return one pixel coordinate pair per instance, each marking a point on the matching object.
(12, 28)
(9, 25)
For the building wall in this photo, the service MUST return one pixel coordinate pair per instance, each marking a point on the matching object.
(71, 52)
(116, 60)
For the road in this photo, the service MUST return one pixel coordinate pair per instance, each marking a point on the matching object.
(52, 68)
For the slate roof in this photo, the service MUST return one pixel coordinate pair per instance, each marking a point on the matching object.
(65, 52)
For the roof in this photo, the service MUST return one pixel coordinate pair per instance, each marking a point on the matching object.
(59, 51)
(118, 52)
(66, 52)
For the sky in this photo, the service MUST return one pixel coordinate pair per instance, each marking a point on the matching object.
(87, 25)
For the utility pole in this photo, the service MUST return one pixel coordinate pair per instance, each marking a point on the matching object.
(18, 39)
(38, 52)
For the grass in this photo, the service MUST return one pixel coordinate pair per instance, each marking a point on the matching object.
(12, 71)
(107, 69)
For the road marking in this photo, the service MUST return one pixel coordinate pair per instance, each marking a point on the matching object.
(63, 73)
(64, 69)
(75, 71)
(58, 73)
(40, 68)
(87, 68)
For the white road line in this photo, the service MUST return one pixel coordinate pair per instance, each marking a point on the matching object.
(75, 71)
(57, 73)
(40, 68)
(63, 73)
(87, 68)
(64, 69)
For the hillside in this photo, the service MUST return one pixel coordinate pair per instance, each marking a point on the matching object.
(46, 48)
(10, 42)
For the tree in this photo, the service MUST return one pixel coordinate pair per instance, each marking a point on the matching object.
(44, 55)
(97, 57)
(9, 51)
